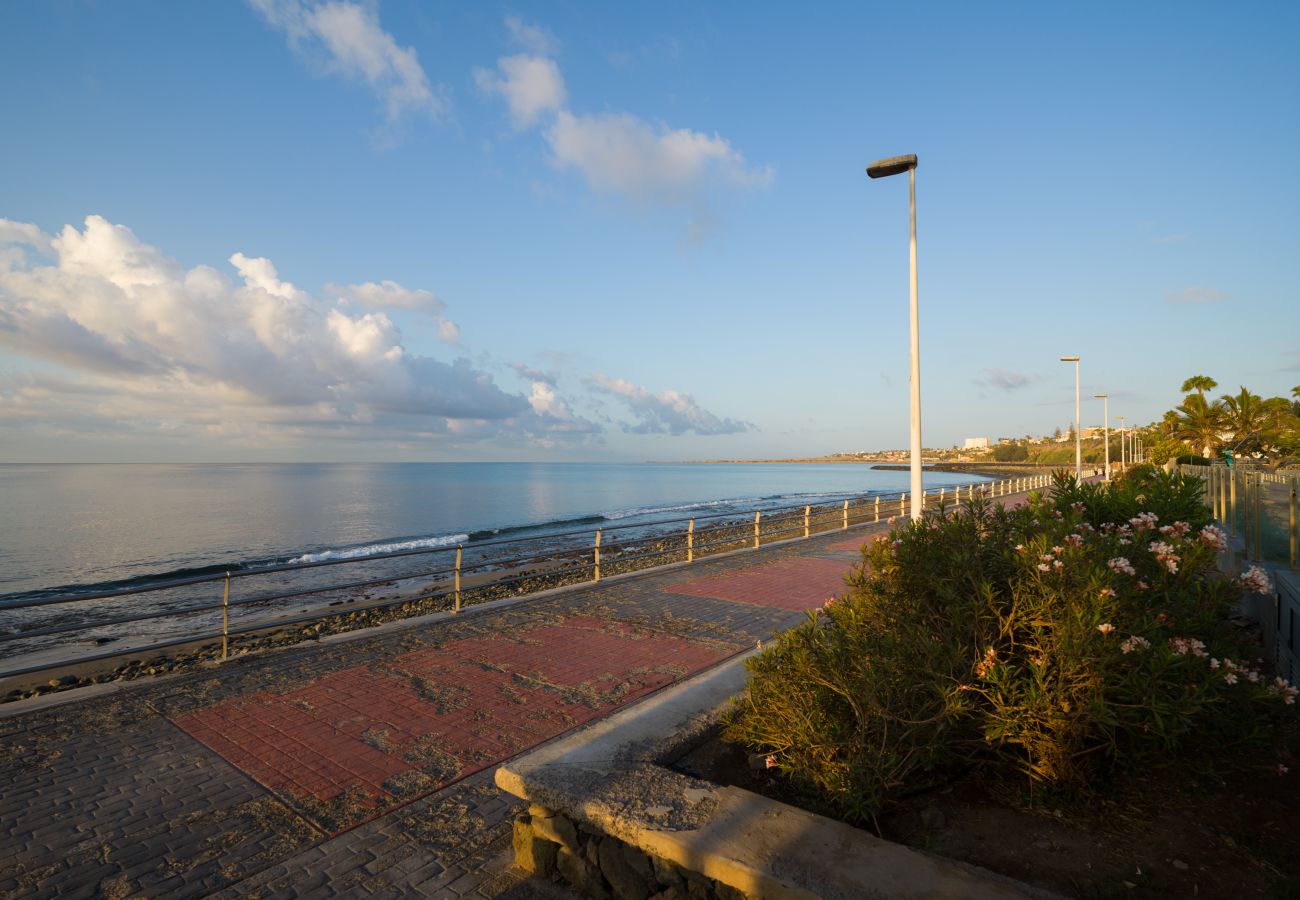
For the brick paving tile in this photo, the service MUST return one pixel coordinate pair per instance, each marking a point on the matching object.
(405, 726)
(794, 584)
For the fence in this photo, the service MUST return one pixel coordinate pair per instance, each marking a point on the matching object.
(483, 571)
(1260, 509)
(1258, 506)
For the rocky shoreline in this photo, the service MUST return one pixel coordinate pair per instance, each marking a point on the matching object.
(367, 610)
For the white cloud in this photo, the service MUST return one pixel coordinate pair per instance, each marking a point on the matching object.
(616, 152)
(531, 86)
(667, 412)
(622, 153)
(391, 295)
(1195, 296)
(348, 40)
(151, 346)
(533, 38)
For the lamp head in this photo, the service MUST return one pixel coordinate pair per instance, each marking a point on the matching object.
(1101, 396)
(1069, 359)
(883, 168)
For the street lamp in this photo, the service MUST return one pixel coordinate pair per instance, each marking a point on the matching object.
(1105, 418)
(1121, 443)
(883, 168)
(1078, 438)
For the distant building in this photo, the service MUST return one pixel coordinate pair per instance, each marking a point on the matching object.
(976, 444)
(1095, 431)
(1006, 440)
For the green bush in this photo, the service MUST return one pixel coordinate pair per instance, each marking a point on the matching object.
(1067, 639)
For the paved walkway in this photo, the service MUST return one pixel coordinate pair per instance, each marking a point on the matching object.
(365, 766)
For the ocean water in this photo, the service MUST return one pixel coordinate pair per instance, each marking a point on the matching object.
(67, 529)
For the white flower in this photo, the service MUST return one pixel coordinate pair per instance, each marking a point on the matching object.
(1105, 628)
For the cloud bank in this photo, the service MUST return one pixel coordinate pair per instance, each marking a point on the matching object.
(1004, 380)
(668, 412)
(149, 346)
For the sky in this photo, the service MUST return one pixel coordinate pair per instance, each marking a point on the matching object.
(287, 230)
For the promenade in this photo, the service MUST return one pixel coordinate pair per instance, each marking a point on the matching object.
(363, 765)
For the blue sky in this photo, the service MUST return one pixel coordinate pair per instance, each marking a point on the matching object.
(286, 230)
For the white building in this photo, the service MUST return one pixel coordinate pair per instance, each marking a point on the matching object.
(976, 444)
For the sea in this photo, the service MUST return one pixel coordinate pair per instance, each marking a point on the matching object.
(69, 529)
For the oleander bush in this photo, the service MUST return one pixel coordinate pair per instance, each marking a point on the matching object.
(1083, 634)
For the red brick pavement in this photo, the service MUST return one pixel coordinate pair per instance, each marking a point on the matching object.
(798, 583)
(444, 711)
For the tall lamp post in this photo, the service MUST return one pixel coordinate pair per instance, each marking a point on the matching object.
(883, 168)
(1121, 443)
(1105, 419)
(1078, 438)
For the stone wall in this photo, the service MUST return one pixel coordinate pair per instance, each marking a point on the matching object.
(550, 845)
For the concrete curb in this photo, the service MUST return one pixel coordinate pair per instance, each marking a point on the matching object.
(610, 776)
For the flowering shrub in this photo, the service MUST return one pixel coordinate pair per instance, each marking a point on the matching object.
(1078, 635)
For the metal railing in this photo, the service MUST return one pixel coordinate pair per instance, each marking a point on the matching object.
(1259, 506)
(498, 568)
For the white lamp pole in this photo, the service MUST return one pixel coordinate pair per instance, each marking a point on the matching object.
(1105, 419)
(881, 169)
(1121, 443)
(1078, 438)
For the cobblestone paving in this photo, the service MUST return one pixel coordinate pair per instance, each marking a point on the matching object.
(365, 766)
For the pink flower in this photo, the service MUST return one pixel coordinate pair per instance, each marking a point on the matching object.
(985, 665)
(1105, 628)
(1281, 769)
(769, 763)
(1057, 564)
(1230, 677)
(1182, 646)
(1144, 520)
(1215, 538)
(829, 602)
(1020, 548)
(1256, 581)
(1074, 540)
(1105, 593)
(1133, 642)
(1044, 567)
(1120, 564)
(1058, 549)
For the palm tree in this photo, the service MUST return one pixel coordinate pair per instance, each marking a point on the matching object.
(1200, 384)
(1199, 422)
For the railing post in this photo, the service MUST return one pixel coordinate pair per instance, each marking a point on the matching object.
(846, 514)
(1232, 502)
(1259, 517)
(806, 511)
(459, 550)
(596, 573)
(225, 620)
(902, 505)
(877, 509)
(757, 518)
(690, 541)
(1293, 521)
